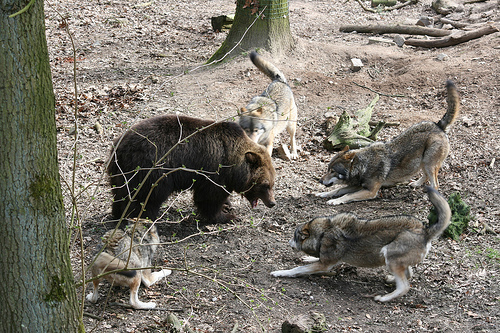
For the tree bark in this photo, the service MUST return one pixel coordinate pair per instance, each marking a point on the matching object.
(271, 31)
(37, 286)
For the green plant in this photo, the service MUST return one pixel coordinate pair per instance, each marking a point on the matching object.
(460, 217)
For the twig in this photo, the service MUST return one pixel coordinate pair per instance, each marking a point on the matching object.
(386, 9)
(386, 124)
(90, 315)
(381, 94)
(468, 2)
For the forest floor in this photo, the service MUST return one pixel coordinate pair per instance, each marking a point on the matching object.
(139, 59)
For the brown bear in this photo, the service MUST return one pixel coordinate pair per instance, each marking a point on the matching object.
(171, 153)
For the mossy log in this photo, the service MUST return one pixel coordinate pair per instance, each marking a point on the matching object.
(355, 133)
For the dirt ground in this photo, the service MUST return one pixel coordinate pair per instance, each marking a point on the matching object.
(138, 59)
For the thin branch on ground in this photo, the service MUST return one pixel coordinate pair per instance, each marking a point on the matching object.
(379, 93)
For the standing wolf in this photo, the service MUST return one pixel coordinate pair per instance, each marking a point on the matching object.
(424, 146)
(267, 115)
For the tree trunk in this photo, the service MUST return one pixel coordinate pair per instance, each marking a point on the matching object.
(271, 31)
(37, 287)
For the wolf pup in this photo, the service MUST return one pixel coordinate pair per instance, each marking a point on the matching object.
(424, 146)
(115, 255)
(269, 114)
(171, 153)
(395, 241)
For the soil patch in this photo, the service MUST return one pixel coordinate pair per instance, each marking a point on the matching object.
(136, 60)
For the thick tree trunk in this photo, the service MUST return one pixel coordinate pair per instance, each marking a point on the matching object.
(271, 31)
(37, 288)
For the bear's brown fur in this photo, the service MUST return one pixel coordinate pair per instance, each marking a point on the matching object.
(217, 159)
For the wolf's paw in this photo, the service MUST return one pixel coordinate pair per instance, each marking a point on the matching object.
(335, 202)
(309, 259)
(144, 305)
(323, 194)
(419, 182)
(280, 273)
(93, 297)
(390, 279)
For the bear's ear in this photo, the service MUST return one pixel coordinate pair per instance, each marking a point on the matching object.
(252, 158)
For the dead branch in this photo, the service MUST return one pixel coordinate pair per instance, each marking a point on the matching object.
(397, 29)
(468, 2)
(456, 38)
(377, 92)
(455, 24)
(385, 9)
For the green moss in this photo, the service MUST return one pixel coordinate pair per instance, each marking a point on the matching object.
(42, 186)
(57, 292)
(43, 189)
(460, 217)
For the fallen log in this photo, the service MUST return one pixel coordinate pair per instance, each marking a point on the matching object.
(396, 29)
(456, 38)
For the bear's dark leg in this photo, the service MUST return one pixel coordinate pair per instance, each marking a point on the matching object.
(153, 205)
(213, 206)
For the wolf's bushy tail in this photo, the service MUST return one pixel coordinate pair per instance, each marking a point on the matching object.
(267, 68)
(443, 213)
(453, 106)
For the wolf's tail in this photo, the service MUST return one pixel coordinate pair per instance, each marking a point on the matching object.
(453, 106)
(443, 214)
(266, 67)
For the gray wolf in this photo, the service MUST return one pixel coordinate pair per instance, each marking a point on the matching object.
(424, 146)
(171, 153)
(398, 242)
(117, 252)
(267, 115)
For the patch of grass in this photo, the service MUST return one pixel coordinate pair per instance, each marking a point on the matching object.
(460, 217)
(492, 254)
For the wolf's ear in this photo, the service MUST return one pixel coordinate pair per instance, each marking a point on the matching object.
(243, 110)
(349, 155)
(346, 148)
(252, 158)
(304, 233)
(258, 112)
